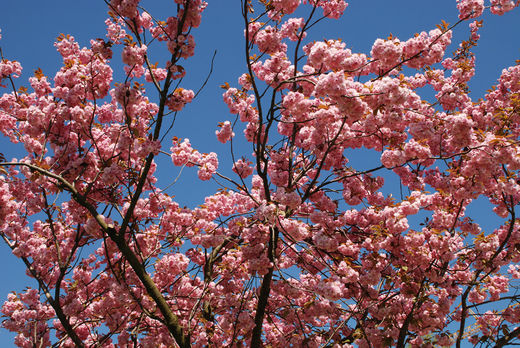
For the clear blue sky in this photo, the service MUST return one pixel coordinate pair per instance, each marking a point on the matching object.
(30, 27)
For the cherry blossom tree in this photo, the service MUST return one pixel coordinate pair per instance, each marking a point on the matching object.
(299, 248)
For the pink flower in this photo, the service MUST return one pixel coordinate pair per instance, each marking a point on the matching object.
(102, 48)
(243, 168)
(325, 242)
(332, 85)
(179, 98)
(470, 8)
(331, 290)
(208, 166)
(333, 8)
(183, 154)
(134, 55)
(291, 199)
(290, 29)
(500, 7)
(426, 48)
(268, 40)
(127, 8)
(146, 20)
(393, 158)
(387, 52)
(158, 73)
(286, 6)
(225, 133)
(476, 296)
(10, 68)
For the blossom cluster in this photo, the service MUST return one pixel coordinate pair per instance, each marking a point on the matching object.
(183, 154)
(350, 223)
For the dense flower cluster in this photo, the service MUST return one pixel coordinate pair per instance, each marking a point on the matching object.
(225, 133)
(470, 8)
(303, 247)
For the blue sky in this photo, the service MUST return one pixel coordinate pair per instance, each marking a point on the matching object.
(30, 27)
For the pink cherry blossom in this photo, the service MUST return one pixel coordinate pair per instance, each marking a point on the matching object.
(179, 98)
(243, 168)
(225, 133)
(470, 8)
(374, 205)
